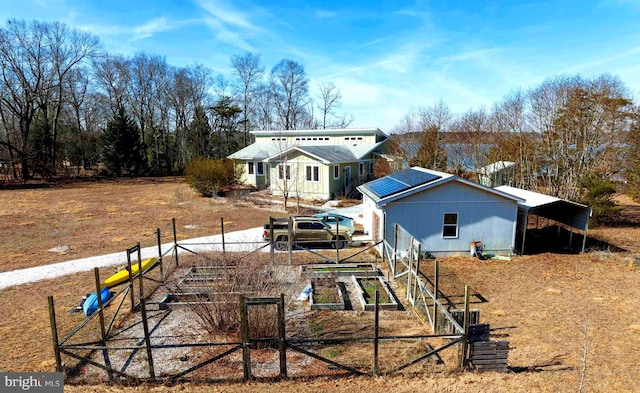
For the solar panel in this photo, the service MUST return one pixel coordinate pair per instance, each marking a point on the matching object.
(386, 186)
(414, 177)
(400, 181)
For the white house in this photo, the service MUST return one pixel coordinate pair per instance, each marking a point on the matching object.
(443, 212)
(315, 164)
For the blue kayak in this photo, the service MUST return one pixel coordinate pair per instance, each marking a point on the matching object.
(90, 305)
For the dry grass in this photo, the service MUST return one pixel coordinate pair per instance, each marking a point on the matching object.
(539, 303)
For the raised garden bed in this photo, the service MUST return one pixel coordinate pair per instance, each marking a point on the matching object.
(326, 295)
(182, 299)
(340, 269)
(365, 291)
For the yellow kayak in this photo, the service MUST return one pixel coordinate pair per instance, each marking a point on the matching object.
(123, 275)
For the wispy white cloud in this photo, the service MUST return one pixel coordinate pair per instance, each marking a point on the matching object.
(227, 15)
(604, 60)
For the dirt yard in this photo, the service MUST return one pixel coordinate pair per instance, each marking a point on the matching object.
(571, 320)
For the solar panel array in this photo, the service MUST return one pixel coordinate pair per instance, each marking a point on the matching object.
(400, 181)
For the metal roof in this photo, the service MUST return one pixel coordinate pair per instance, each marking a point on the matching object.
(420, 183)
(496, 166)
(573, 214)
(327, 154)
(534, 199)
(256, 152)
(328, 131)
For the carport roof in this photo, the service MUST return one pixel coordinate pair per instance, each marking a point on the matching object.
(567, 212)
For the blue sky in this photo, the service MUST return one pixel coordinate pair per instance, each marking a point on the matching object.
(386, 56)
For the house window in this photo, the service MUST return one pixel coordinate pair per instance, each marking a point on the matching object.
(336, 171)
(313, 173)
(361, 168)
(260, 168)
(450, 225)
(250, 168)
(281, 169)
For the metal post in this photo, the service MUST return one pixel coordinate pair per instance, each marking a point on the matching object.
(465, 338)
(160, 253)
(376, 331)
(290, 240)
(435, 297)
(222, 231)
(337, 240)
(103, 334)
(175, 240)
(145, 323)
(271, 240)
(244, 337)
(54, 334)
(395, 248)
(282, 334)
(131, 288)
(417, 275)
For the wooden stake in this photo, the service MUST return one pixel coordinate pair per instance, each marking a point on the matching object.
(244, 337)
(145, 323)
(282, 335)
(435, 296)
(54, 334)
(272, 241)
(376, 331)
(103, 334)
(175, 239)
(222, 231)
(131, 291)
(465, 327)
(160, 254)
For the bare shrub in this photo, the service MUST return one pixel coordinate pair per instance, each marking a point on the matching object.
(222, 281)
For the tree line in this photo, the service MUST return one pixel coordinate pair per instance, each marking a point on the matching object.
(570, 136)
(66, 102)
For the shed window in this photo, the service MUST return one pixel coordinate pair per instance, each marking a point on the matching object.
(250, 168)
(336, 171)
(260, 168)
(450, 225)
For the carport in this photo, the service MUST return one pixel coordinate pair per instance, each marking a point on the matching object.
(572, 214)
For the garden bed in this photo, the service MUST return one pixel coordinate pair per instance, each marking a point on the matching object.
(365, 291)
(340, 269)
(326, 295)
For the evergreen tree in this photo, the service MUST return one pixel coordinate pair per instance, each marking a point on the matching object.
(121, 145)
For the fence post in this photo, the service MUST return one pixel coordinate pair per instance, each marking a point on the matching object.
(417, 276)
(244, 337)
(395, 248)
(465, 338)
(376, 331)
(175, 239)
(145, 323)
(54, 334)
(160, 254)
(271, 240)
(222, 231)
(290, 240)
(435, 297)
(282, 334)
(103, 334)
(131, 287)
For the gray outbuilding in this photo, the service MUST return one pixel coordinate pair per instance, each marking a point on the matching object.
(445, 213)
